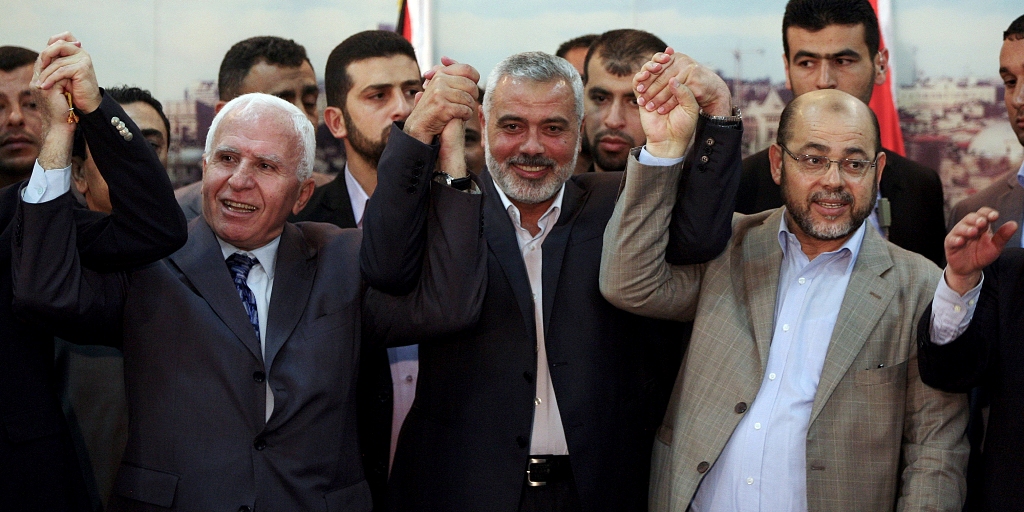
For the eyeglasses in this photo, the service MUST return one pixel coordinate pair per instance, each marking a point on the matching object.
(817, 165)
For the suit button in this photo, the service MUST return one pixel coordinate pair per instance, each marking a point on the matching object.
(741, 408)
(259, 376)
(703, 467)
(411, 189)
(710, 142)
(528, 376)
(521, 441)
(114, 120)
(244, 508)
(259, 443)
(384, 396)
(704, 159)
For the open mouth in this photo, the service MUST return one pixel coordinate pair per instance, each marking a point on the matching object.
(238, 207)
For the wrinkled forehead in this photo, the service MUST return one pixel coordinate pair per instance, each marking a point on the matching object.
(514, 94)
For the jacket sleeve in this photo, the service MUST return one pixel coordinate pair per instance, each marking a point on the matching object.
(706, 197)
(146, 223)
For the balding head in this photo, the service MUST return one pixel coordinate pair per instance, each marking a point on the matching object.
(815, 105)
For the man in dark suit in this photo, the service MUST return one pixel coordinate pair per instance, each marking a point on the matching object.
(835, 45)
(985, 359)
(548, 401)
(241, 395)
(38, 466)
(267, 64)
(370, 81)
(19, 117)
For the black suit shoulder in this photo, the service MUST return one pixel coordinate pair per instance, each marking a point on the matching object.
(329, 203)
(757, 192)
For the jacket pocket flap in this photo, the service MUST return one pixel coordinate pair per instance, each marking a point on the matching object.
(354, 498)
(27, 425)
(146, 485)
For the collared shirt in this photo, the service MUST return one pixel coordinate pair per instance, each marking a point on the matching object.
(548, 436)
(261, 282)
(46, 184)
(356, 196)
(763, 465)
(952, 312)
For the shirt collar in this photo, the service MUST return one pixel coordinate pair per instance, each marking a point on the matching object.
(356, 195)
(788, 240)
(554, 209)
(267, 255)
(1020, 174)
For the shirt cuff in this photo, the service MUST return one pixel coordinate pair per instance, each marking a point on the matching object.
(951, 312)
(46, 185)
(646, 158)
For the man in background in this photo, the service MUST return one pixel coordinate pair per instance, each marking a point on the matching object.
(835, 45)
(20, 124)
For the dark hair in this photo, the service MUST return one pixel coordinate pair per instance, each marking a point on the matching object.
(786, 123)
(624, 51)
(1015, 31)
(583, 41)
(364, 45)
(246, 54)
(14, 57)
(814, 15)
(125, 95)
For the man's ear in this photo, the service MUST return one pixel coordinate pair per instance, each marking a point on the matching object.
(881, 65)
(775, 159)
(879, 166)
(78, 175)
(305, 191)
(785, 64)
(335, 122)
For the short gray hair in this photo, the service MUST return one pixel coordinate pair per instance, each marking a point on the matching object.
(538, 67)
(303, 128)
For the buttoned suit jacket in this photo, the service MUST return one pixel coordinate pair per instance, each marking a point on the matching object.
(331, 203)
(914, 192)
(195, 375)
(38, 466)
(466, 441)
(878, 438)
(1006, 195)
(989, 354)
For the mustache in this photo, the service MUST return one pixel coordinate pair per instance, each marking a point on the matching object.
(531, 160)
(22, 133)
(613, 133)
(832, 196)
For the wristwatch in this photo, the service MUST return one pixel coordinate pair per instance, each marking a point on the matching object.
(462, 183)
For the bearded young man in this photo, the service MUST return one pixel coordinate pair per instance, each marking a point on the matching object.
(548, 401)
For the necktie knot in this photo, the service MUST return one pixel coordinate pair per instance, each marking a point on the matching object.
(240, 265)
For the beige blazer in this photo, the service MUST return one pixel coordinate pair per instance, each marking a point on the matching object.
(879, 439)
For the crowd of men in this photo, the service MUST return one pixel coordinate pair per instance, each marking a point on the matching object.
(564, 291)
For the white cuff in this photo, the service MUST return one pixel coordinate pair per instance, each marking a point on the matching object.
(646, 158)
(47, 185)
(951, 312)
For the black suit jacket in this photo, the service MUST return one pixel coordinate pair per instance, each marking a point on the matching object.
(465, 443)
(38, 466)
(331, 203)
(989, 354)
(914, 192)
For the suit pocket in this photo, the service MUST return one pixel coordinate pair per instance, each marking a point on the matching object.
(146, 485)
(884, 375)
(354, 498)
(28, 425)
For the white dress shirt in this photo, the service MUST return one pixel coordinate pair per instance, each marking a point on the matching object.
(46, 184)
(763, 465)
(548, 436)
(356, 196)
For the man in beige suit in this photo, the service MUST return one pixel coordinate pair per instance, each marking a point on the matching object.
(800, 387)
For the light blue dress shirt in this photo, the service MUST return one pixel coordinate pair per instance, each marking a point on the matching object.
(763, 465)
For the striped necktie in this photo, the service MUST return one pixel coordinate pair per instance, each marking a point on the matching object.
(240, 265)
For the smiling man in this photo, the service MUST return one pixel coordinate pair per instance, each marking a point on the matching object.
(832, 44)
(20, 123)
(547, 402)
(800, 388)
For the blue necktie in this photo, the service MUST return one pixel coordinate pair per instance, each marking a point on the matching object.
(240, 265)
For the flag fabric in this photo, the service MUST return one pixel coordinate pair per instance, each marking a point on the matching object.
(415, 22)
(883, 99)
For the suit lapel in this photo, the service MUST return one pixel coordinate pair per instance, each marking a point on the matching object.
(1012, 206)
(867, 297)
(293, 280)
(501, 239)
(556, 242)
(202, 263)
(762, 258)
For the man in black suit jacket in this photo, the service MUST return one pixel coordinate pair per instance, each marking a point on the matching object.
(832, 44)
(38, 466)
(242, 395)
(548, 401)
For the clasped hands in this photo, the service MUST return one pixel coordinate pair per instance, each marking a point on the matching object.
(447, 101)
